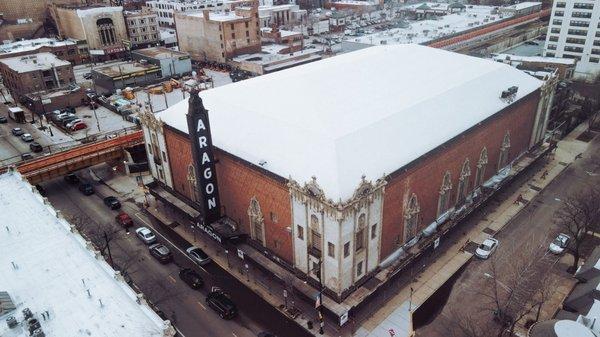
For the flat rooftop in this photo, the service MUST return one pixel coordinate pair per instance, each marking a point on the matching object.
(391, 105)
(536, 59)
(216, 16)
(160, 53)
(46, 267)
(39, 61)
(422, 31)
(115, 70)
(33, 44)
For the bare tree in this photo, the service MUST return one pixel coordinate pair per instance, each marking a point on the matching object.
(100, 236)
(457, 324)
(158, 292)
(579, 214)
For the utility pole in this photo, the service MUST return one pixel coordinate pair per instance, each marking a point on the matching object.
(93, 104)
(320, 308)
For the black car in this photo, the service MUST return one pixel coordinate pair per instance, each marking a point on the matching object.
(191, 278)
(72, 179)
(161, 253)
(26, 156)
(36, 147)
(222, 304)
(3, 120)
(87, 76)
(86, 188)
(112, 202)
(266, 334)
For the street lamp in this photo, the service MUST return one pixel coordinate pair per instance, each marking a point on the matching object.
(317, 270)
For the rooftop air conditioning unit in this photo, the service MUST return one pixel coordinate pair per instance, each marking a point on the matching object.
(11, 322)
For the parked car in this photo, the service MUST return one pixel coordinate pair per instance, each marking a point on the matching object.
(145, 235)
(3, 120)
(78, 126)
(266, 334)
(93, 105)
(191, 278)
(26, 137)
(124, 220)
(65, 121)
(559, 244)
(487, 248)
(198, 255)
(220, 302)
(161, 253)
(87, 76)
(71, 123)
(17, 131)
(86, 188)
(72, 179)
(26, 156)
(112, 202)
(36, 147)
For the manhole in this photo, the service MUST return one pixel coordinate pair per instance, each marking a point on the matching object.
(489, 231)
(535, 188)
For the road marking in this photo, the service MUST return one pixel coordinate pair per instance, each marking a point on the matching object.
(172, 279)
(179, 331)
(169, 241)
(234, 335)
(200, 303)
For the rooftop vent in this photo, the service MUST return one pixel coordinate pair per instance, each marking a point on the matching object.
(11, 322)
(27, 314)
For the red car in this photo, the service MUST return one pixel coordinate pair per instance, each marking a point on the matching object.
(124, 220)
(78, 126)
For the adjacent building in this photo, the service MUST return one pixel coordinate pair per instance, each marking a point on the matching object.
(74, 51)
(142, 29)
(344, 190)
(54, 275)
(218, 36)
(166, 9)
(574, 32)
(171, 62)
(281, 15)
(37, 72)
(103, 28)
(109, 78)
(539, 66)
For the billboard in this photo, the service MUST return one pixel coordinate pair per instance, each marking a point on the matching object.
(204, 160)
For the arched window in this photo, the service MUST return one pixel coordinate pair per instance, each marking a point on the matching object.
(359, 236)
(481, 163)
(503, 158)
(463, 182)
(445, 191)
(106, 31)
(315, 235)
(411, 218)
(256, 221)
(191, 177)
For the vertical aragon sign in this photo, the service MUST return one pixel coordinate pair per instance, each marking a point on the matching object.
(204, 159)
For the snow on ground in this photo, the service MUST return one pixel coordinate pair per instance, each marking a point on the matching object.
(427, 30)
(46, 267)
(371, 125)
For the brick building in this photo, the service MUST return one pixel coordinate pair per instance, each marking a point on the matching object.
(352, 173)
(218, 36)
(74, 51)
(142, 29)
(38, 72)
(102, 27)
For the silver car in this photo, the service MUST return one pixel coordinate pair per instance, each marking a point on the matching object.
(559, 244)
(198, 255)
(145, 235)
(487, 248)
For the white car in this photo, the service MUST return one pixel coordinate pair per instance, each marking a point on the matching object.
(145, 235)
(559, 244)
(487, 248)
(198, 255)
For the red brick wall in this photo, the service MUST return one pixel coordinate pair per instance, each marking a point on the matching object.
(425, 177)
(238, 183)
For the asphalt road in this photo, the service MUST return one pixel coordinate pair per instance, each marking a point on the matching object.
(533, 225)
(11, 147)
(161, 283)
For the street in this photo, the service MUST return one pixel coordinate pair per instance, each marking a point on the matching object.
(533, 226)
(161, 283)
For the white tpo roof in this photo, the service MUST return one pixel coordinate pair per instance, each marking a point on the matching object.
(45, 267)
(367, 112)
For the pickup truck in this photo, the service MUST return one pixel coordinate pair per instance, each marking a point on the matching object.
(124, 220)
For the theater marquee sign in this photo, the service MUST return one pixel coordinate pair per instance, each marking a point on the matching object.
(204, 160)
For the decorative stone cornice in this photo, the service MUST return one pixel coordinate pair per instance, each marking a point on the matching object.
(149, 120)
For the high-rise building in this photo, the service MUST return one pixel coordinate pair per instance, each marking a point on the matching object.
(166, 9)
(574, 32)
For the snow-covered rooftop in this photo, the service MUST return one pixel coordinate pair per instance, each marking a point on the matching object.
(367, 112)
(39, 61)
(97, 10)
(46, 267)
(426, 30)
(33, 44)
(539, 59)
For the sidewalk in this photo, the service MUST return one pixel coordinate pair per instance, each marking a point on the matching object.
(395, 313)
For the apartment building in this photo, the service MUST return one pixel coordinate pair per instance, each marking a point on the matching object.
(165, 9)
(218, 36)
(574, 32)
(142, 28)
